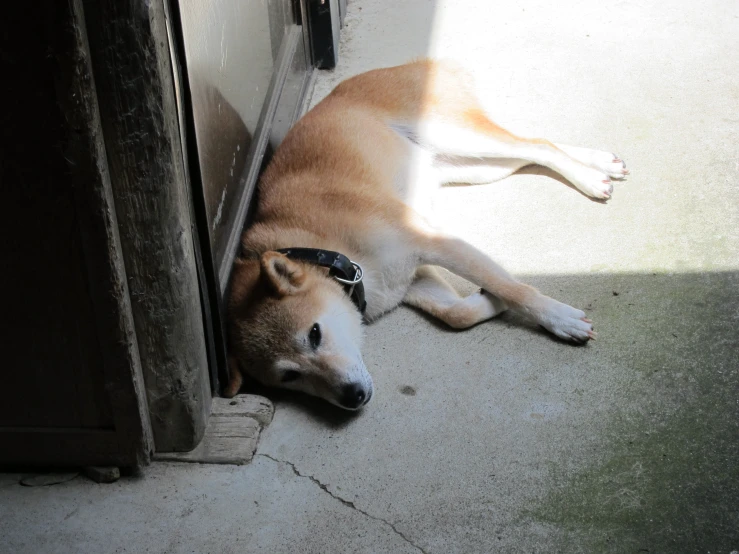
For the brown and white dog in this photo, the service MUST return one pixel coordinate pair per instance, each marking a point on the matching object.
(340, 181)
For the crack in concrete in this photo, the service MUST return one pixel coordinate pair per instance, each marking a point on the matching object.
(345, 502)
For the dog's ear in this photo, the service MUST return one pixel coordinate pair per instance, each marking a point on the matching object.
(286, 276)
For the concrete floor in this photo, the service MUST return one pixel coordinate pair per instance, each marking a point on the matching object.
(500, 439)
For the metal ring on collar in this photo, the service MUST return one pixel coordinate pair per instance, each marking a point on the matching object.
(357, 276)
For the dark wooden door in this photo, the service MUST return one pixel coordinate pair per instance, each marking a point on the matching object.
(71, 390)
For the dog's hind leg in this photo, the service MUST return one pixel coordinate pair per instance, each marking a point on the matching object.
(432, 294)
(451, 122)
(475, 171)
(472, 135)
(470, 263)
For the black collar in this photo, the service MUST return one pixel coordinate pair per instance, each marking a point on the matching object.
(341, 268)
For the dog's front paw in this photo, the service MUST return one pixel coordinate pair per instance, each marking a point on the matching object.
(610, 164)
(564, 321)
(593, 182)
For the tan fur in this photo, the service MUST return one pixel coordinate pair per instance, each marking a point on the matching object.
(336, 182)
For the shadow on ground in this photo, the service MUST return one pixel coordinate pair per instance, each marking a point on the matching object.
(669, 477)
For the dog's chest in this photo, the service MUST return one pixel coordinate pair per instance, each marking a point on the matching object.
(389, 271)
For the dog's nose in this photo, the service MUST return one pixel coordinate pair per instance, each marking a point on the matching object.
(353, 396)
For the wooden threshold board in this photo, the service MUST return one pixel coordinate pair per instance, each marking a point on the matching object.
(232, 433)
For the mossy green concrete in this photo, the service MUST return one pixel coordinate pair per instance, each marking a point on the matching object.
(667, 479)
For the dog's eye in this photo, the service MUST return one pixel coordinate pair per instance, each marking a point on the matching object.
(290, 375)
(315, 336)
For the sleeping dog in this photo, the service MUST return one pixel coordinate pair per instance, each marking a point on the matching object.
(339, 233)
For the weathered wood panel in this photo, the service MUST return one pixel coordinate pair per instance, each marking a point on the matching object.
(133, 72)
(107, 288)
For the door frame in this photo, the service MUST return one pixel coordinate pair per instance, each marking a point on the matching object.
(131, 61)
(279, 112)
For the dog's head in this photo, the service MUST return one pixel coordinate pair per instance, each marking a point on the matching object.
(292, 326)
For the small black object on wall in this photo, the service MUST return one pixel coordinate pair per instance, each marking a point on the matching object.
(325, 22)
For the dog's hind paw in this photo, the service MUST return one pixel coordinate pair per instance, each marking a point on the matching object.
(606, 162)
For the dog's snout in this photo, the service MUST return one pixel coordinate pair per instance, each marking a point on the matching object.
(353, 396)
